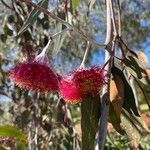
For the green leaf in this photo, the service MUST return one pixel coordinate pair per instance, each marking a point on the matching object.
(133, 127)
(90, 115)
(8, 131)
(58, 41)
(135, 67)
(7, 30)
(129, 99)
(115, 120)
(75, 3)
(33, 16)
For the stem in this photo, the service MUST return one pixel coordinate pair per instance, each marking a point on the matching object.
(50, 14)
(105, 91)
(85, 55)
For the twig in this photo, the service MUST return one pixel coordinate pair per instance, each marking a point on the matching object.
(85, 55)
(50, 14)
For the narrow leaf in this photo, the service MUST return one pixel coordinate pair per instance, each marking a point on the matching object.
(116, 98)
(135, 67)
(134, 128)
(129, 100)
(58, 41)
(90, 115)
(114, 120)
(33, 16)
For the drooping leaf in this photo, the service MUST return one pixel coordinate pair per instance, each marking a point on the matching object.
(75, 4)
(8, 29)
(90, 115)
(135, 67)
(117, 94)
(58, 41)
(116, 102)
(145, 88)
(10, 132)
(133, 127)
(142, 58)
(33, 16)
(114, 120)
(129, 99)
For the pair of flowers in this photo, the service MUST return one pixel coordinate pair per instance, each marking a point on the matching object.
(39, 77)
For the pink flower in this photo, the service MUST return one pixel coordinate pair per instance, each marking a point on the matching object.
(35, 76)
(69, 91)
(89, 81)
(83, 82)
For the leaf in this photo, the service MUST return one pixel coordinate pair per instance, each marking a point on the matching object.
(129, 99)
(134, 66)
(33, 16)
(90, 115)
(133, 126)
(58, 42)
(10, 132)
(142, 58)
(75, 4)
(114, 120)
(116, 98)
(117, 94)
(8, 29)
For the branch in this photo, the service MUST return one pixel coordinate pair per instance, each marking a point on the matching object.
(105, 91)
(50, 14)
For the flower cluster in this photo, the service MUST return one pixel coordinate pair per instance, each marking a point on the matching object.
(35, 76)
(83, 82)
(38, 76)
